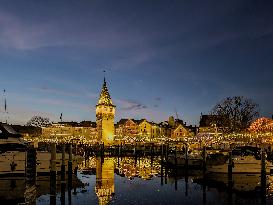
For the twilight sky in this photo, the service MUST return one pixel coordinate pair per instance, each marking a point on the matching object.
(160, 56)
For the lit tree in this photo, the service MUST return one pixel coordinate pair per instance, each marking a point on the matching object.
(235, 113)
(262, 124)
(38, 121)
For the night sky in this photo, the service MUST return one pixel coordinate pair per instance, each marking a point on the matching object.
(159, 56)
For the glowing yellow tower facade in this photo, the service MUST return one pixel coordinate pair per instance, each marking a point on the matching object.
(105, 114)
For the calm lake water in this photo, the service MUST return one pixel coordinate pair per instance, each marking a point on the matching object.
(144, 181)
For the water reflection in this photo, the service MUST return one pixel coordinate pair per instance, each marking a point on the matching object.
(121, 176)
(138, 180)
(105, 186)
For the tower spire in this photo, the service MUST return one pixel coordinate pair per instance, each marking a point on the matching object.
(105, 98)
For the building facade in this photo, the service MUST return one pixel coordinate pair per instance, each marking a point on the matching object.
(68, 131)
(179, 132)
(127, 127)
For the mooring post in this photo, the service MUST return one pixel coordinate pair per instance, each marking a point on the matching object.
(162, 152)
(263, 176)
(135, 153)
(31, 174)
(186, 170)
(120, 151)
(204, 174)
(186, 158)
(230, 166)
(204, 193)
(166, 174)
(102, 149)
(175, 169)
(167, 153)
(70, 166)
(53, 175)
(63, 184)
(204, 160)
(161, 164)
(85, 154)
(63, 164)
(151, 152)
(186, 181)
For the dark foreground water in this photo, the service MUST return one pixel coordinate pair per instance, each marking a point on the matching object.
(139, 181)
(144, 181)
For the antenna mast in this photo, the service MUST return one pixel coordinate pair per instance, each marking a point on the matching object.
(5, 106)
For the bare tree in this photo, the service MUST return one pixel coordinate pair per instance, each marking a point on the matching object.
(38, 121)
(235, 113)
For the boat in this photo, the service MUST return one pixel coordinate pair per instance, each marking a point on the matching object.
(14, 155)
(245, 160)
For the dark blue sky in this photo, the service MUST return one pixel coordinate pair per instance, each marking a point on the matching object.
(159, 56)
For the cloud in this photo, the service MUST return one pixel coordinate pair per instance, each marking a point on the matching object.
(62, 103)
(45, 89)
(128, 105)
(23, 36)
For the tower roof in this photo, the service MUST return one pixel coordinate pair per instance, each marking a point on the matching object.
(105, 98)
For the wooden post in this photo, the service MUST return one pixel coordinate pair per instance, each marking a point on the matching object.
(166, 174)
(53, 175)
(230, 165)
(70, 166)
(63, 164)
(175, 169)
(30, 169)
(120, 151)
(166, 160)
(204, 175)
(161, 166)
(204, 160)
(167, 153)
(186, 170)
(162, 152)
(186, 182)
(263, 176)
(102, 150)
(135, 153)
(63, 184)
(151, 152)
(186, 158)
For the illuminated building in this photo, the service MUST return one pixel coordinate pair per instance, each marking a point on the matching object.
(210, 124)
(145, 129)
(70, 130)
(127, 127)
(155, 130)
(180, 131)
(165, 129)
(105, 113)
(105, 186)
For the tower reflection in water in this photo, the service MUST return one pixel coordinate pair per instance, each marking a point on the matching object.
(105, 186)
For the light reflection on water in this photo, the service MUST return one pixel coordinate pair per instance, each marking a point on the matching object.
(142, 181)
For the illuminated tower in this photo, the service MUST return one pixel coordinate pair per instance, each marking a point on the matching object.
(105, 113)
